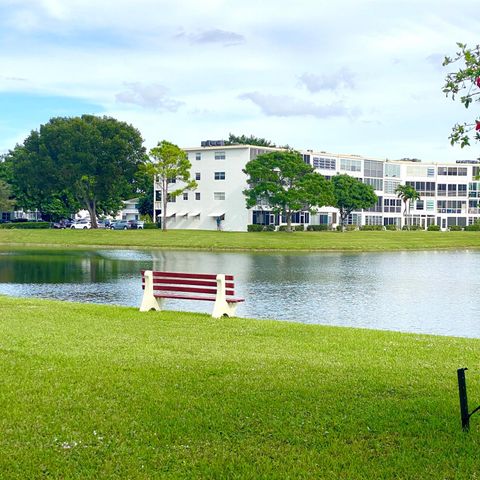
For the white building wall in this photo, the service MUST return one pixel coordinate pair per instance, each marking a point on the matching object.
(200, 214)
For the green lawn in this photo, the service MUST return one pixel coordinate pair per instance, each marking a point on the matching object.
(266, 241)
(107, 392)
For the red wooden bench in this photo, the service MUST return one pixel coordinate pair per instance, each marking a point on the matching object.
(157, 286)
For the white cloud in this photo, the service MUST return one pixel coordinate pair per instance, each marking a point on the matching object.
(331, 81)
(287, 106)
(154, 96)
(214, 35)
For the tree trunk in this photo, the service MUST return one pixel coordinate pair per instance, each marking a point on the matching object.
(91, 207)
(164, 203)
(288, 214)
(343, 217)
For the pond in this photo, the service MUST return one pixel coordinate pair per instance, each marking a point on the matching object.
(422, 292)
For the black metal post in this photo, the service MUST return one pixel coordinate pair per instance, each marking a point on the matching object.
(462, 391)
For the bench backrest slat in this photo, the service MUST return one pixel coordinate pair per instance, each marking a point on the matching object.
(200, 283)
(183, 288)
(199, 276)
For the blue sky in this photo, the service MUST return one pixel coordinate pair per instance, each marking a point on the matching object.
(351, 76)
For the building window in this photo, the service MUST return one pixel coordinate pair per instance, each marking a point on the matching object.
(198, 155)
(171, 198)
(354, 219)
(392, 170)
(219, 175)
(453, 171)
(416, 171)
(424, 189)
(462, 190)
(474, 189)
(390, 186)
(350, 165)
(392, 205)
(306, 158)
(373, 220)
(219, 155)
(430, 171)
(197, 175)
(378, 207)
(197, 195)
(452, 190)
(219, 195)
(324, 163)
(420, 205)
(442, 189)
(372, 168)
(185, 195)
(376, 183)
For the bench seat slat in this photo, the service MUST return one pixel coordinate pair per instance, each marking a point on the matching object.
(192, 297)
(181, 288)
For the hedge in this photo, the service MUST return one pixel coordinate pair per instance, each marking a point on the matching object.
(318, 228)
(35, 225)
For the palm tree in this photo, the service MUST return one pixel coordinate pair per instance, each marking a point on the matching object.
(407, 194)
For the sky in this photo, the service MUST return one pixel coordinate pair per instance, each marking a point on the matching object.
(360, 77)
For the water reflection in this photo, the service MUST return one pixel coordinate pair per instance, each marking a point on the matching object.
(428, 292)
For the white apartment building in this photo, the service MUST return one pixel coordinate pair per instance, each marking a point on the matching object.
(449, 193)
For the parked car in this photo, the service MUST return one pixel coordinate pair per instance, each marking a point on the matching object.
(119, 225)
(81, 225)
(65, 223)
(103, 224)
(136, 224)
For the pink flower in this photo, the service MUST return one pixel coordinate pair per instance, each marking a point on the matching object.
(477, 125)
(477, 82)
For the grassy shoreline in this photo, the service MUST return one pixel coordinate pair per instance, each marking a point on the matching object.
(91, 391)
(242, 241)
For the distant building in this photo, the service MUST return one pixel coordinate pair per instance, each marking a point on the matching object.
(449, 193)
(130, 210)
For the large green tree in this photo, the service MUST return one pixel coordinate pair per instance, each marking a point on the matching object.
(170, 164)
(250, 140)
(283, 182)
(407, 194)
(351, 194)
(6, 201)
(466, 83)
(89, 161)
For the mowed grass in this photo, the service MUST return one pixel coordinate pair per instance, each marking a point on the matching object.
(236, 241)
(91, 391)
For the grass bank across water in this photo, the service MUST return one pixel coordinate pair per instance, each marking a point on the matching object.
(242, 241)
(92, 391)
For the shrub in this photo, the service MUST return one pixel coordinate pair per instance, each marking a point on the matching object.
(455, 228)
(29, 225)
(474, 227)
(318, 228)
(254, 228)
(270, 228)
(295, 228)
(391, 227)
(371, 227)
(412, 227)
(150, 226)
(433, 228)
(348, 228)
